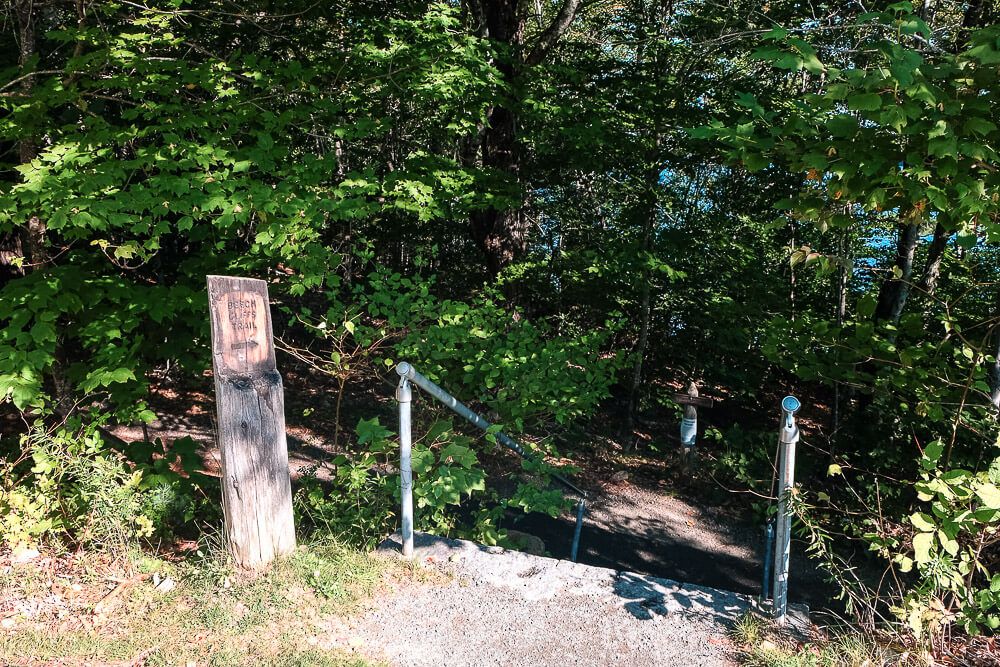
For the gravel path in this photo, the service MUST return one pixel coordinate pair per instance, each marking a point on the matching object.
(508, 608)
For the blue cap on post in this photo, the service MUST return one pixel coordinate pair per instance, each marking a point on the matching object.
(790, 404)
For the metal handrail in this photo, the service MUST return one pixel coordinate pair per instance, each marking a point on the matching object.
(788, 436)
(404, 395)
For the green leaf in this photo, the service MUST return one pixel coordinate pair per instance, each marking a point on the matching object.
(923, 544)
(864, 102)
(989, 494)
(842, 125)
(950, 545)
(923, 522)
(979, 126)
(866, 306)
(370, 430)
(121, 375)
(421, 459)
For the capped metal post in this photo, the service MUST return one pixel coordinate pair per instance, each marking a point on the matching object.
(404, 395)
(788, 436)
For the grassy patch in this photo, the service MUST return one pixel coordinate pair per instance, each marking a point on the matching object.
(761, 644)
(205, 613)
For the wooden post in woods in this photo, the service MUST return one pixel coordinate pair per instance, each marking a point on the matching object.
(689, 424)
(256, 488)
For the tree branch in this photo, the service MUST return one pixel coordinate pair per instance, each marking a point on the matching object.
(556, 29)
(23, 77)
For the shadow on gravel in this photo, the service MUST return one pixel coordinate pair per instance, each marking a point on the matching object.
(646, 599)
(647, 549)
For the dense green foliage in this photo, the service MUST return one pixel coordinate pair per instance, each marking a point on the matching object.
(556, 216)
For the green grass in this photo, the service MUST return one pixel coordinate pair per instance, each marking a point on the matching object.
(214, 616)
(761, 644)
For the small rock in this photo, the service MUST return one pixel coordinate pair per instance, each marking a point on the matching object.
(7, 623)
(24, 555)
(620, 476)
(166, 585)
(526, 542)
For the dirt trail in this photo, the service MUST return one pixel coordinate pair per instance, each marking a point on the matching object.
(630, 527)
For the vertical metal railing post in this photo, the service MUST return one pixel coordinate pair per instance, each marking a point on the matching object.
(404, 395)
(788, 436)
(580, 505)
(765, 584)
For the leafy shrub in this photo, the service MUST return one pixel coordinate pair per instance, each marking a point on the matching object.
(478, 349)
(69, 484)
(938, 561)
(358, 505)
(949, 549)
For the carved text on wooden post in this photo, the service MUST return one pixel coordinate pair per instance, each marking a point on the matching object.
(256, 489)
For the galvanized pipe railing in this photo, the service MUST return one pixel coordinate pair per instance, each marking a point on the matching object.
(404, 395)
(788, 436)
(765, 585)
(407, 374)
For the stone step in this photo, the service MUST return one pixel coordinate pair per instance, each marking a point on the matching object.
(540, 577)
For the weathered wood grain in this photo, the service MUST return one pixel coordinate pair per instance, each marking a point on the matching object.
(256, 487)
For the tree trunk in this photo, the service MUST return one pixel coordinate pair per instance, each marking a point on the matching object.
(935, 253)
(502, 233)
(977, 14)
(843, 276)
(31, 243)
(645, 308)
(896, 289)
(993, 372)
(499, 232)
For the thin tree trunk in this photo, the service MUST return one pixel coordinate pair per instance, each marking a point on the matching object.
(645, 310)
(993, 372)
(843, 275)
(791, 279)
(34, 241)
(34, 231)
(896, 289)
(935, 253)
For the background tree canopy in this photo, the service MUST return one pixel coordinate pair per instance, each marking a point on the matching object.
(560, 210)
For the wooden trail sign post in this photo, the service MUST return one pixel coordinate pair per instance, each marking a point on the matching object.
(256, 488)
(689, 424)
